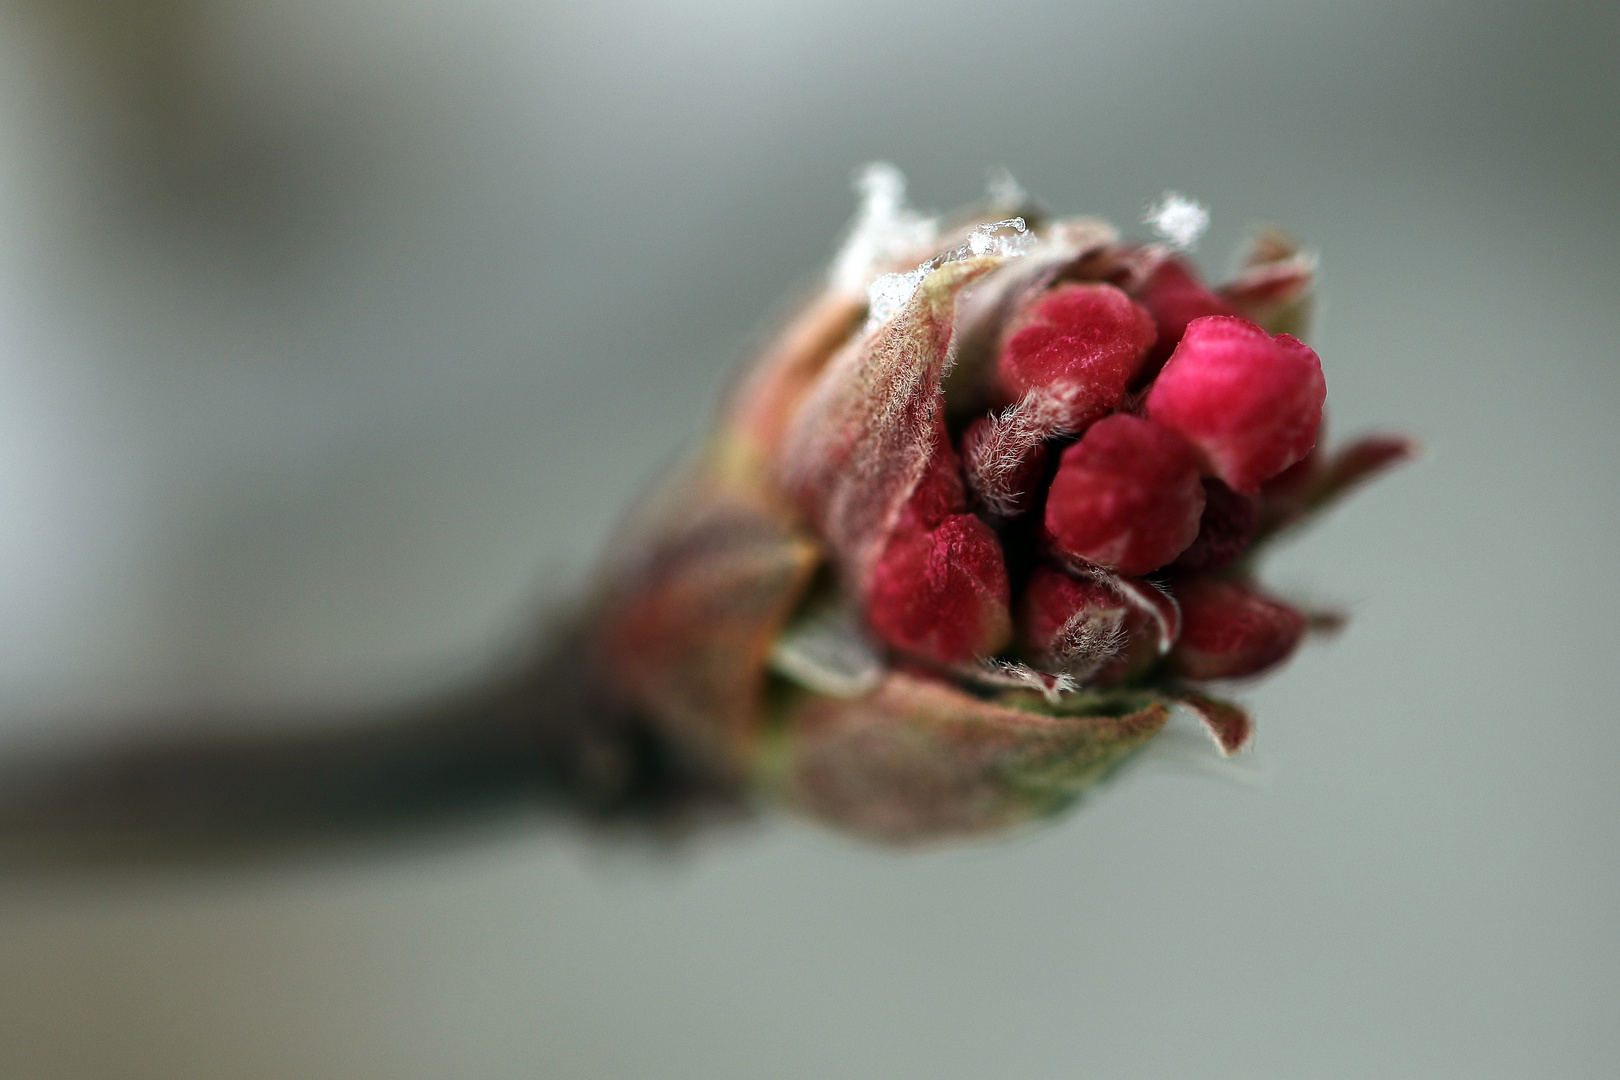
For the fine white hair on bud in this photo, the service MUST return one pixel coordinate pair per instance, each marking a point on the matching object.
(1178, 219)
(886, 229)
(1011, 674)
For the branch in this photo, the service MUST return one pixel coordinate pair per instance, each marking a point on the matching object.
(542, 739)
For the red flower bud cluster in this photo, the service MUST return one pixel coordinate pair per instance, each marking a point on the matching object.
(1141, 470)
(972, 526)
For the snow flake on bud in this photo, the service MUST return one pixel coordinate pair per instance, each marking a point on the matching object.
(886, 231)
(889, 293)
(1250, 402)
(1009, 237)
(886, 295)
(1178, 219)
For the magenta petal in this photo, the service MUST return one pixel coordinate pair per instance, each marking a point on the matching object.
(942, 593)
(1077, 347)
(1231, 631)
(1249, 402)
(1126, 496)
(1175, 297)
(1069, 623)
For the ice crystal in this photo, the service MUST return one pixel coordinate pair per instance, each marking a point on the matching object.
(886, 229)
(889, 293)
(1178, 219)
(991, 239)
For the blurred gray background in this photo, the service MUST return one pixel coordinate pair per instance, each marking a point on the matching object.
(334, 334)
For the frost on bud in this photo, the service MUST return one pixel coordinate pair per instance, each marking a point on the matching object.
(1250, 402)
(979, 418)
(1126, 496)
(1231, 631)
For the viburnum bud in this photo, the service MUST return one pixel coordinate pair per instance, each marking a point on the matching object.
(1077, 345)
(939, 587)
(1225, 531)
(1073, 624)
(982, 514)
(1230, 630)
(1175, 297)
(1250, 402)
(1126, 496)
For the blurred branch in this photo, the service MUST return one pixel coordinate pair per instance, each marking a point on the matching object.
(539, 739)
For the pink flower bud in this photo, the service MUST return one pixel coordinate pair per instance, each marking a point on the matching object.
(1102, 629)
(1078, 346)
(822, 608)
(1229, 630)
(1175, 297)
(1229, 525)
(1251, 403)
(1072, 624)
(939, 586)
(939, 492)
(942, 593)
(1126, 496)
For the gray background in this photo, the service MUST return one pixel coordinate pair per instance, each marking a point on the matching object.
(335, 333)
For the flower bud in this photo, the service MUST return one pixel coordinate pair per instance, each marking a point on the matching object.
(1230, 524)
(1005, 464)
(1250, 402)
(1229, 630)
(1126, 496)
(938, 589)
(1077, 346)
(1072, 624)
(822, 606)
(1175, 297)
(942, 593)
